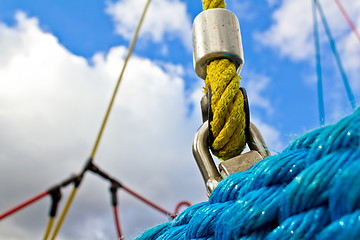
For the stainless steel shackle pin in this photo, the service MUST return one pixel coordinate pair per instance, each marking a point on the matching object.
(216, 34)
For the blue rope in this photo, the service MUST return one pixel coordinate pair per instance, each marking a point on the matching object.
(337, 56)
(318, 66)
(309, 191)
(347, 227)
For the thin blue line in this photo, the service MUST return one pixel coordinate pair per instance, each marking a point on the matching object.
(318, 66)
(337, 57)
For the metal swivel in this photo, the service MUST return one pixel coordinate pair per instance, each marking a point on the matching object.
(216, 34)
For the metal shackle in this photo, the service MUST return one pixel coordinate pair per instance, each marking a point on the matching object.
(210, 173)
(216, 34)
(204, 160)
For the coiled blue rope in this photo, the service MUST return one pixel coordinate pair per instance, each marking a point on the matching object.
(309, 191)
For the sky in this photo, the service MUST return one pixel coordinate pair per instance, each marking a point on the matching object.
(59, 63)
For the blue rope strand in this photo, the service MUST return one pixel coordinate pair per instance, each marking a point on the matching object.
(337, 56)
(301, 226)
(347, 181)
(318, 66)
(347, 227)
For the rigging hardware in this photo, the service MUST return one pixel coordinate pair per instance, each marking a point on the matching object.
(202, 142)
(216, 34)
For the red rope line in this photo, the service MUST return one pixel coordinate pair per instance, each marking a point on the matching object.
(117, 223)
(147, 201)
(24, 204)
(180, 204)
(347, 18)
(177, 208)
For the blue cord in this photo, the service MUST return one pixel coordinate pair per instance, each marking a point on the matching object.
(337, 56)
(318, 66)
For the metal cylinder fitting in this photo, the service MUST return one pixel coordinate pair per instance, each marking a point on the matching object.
(216, 34)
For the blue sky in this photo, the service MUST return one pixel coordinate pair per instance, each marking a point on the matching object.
(58, 64)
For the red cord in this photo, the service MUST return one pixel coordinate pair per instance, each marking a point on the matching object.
(117, 223)
(147, 201)
(24, 204)
(180, 204)
(346, 16)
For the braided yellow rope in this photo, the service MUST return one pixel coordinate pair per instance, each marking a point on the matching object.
(227, 103)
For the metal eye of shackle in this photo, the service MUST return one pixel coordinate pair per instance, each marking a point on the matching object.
(201, 149)
(216, 34)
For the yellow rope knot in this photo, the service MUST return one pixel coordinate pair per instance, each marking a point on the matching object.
(227, 103)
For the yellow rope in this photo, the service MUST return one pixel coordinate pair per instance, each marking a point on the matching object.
(48, 228)
(120, 78)
(227, 103)
(64, 212)
(72, 195)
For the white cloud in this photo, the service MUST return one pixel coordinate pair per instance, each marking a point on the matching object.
(291, 31)
(255, 85)
(51, 106)
(291, 35)
(52, 103)
(165, 18)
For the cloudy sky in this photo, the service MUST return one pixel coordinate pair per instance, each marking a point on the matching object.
(59, 61)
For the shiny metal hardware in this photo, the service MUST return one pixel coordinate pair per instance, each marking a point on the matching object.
(205, 104)
(203, 158)
(216, 34)
(256, 142)
(240, 163)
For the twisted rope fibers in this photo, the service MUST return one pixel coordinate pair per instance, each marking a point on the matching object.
(227, 103)
(309, 191)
